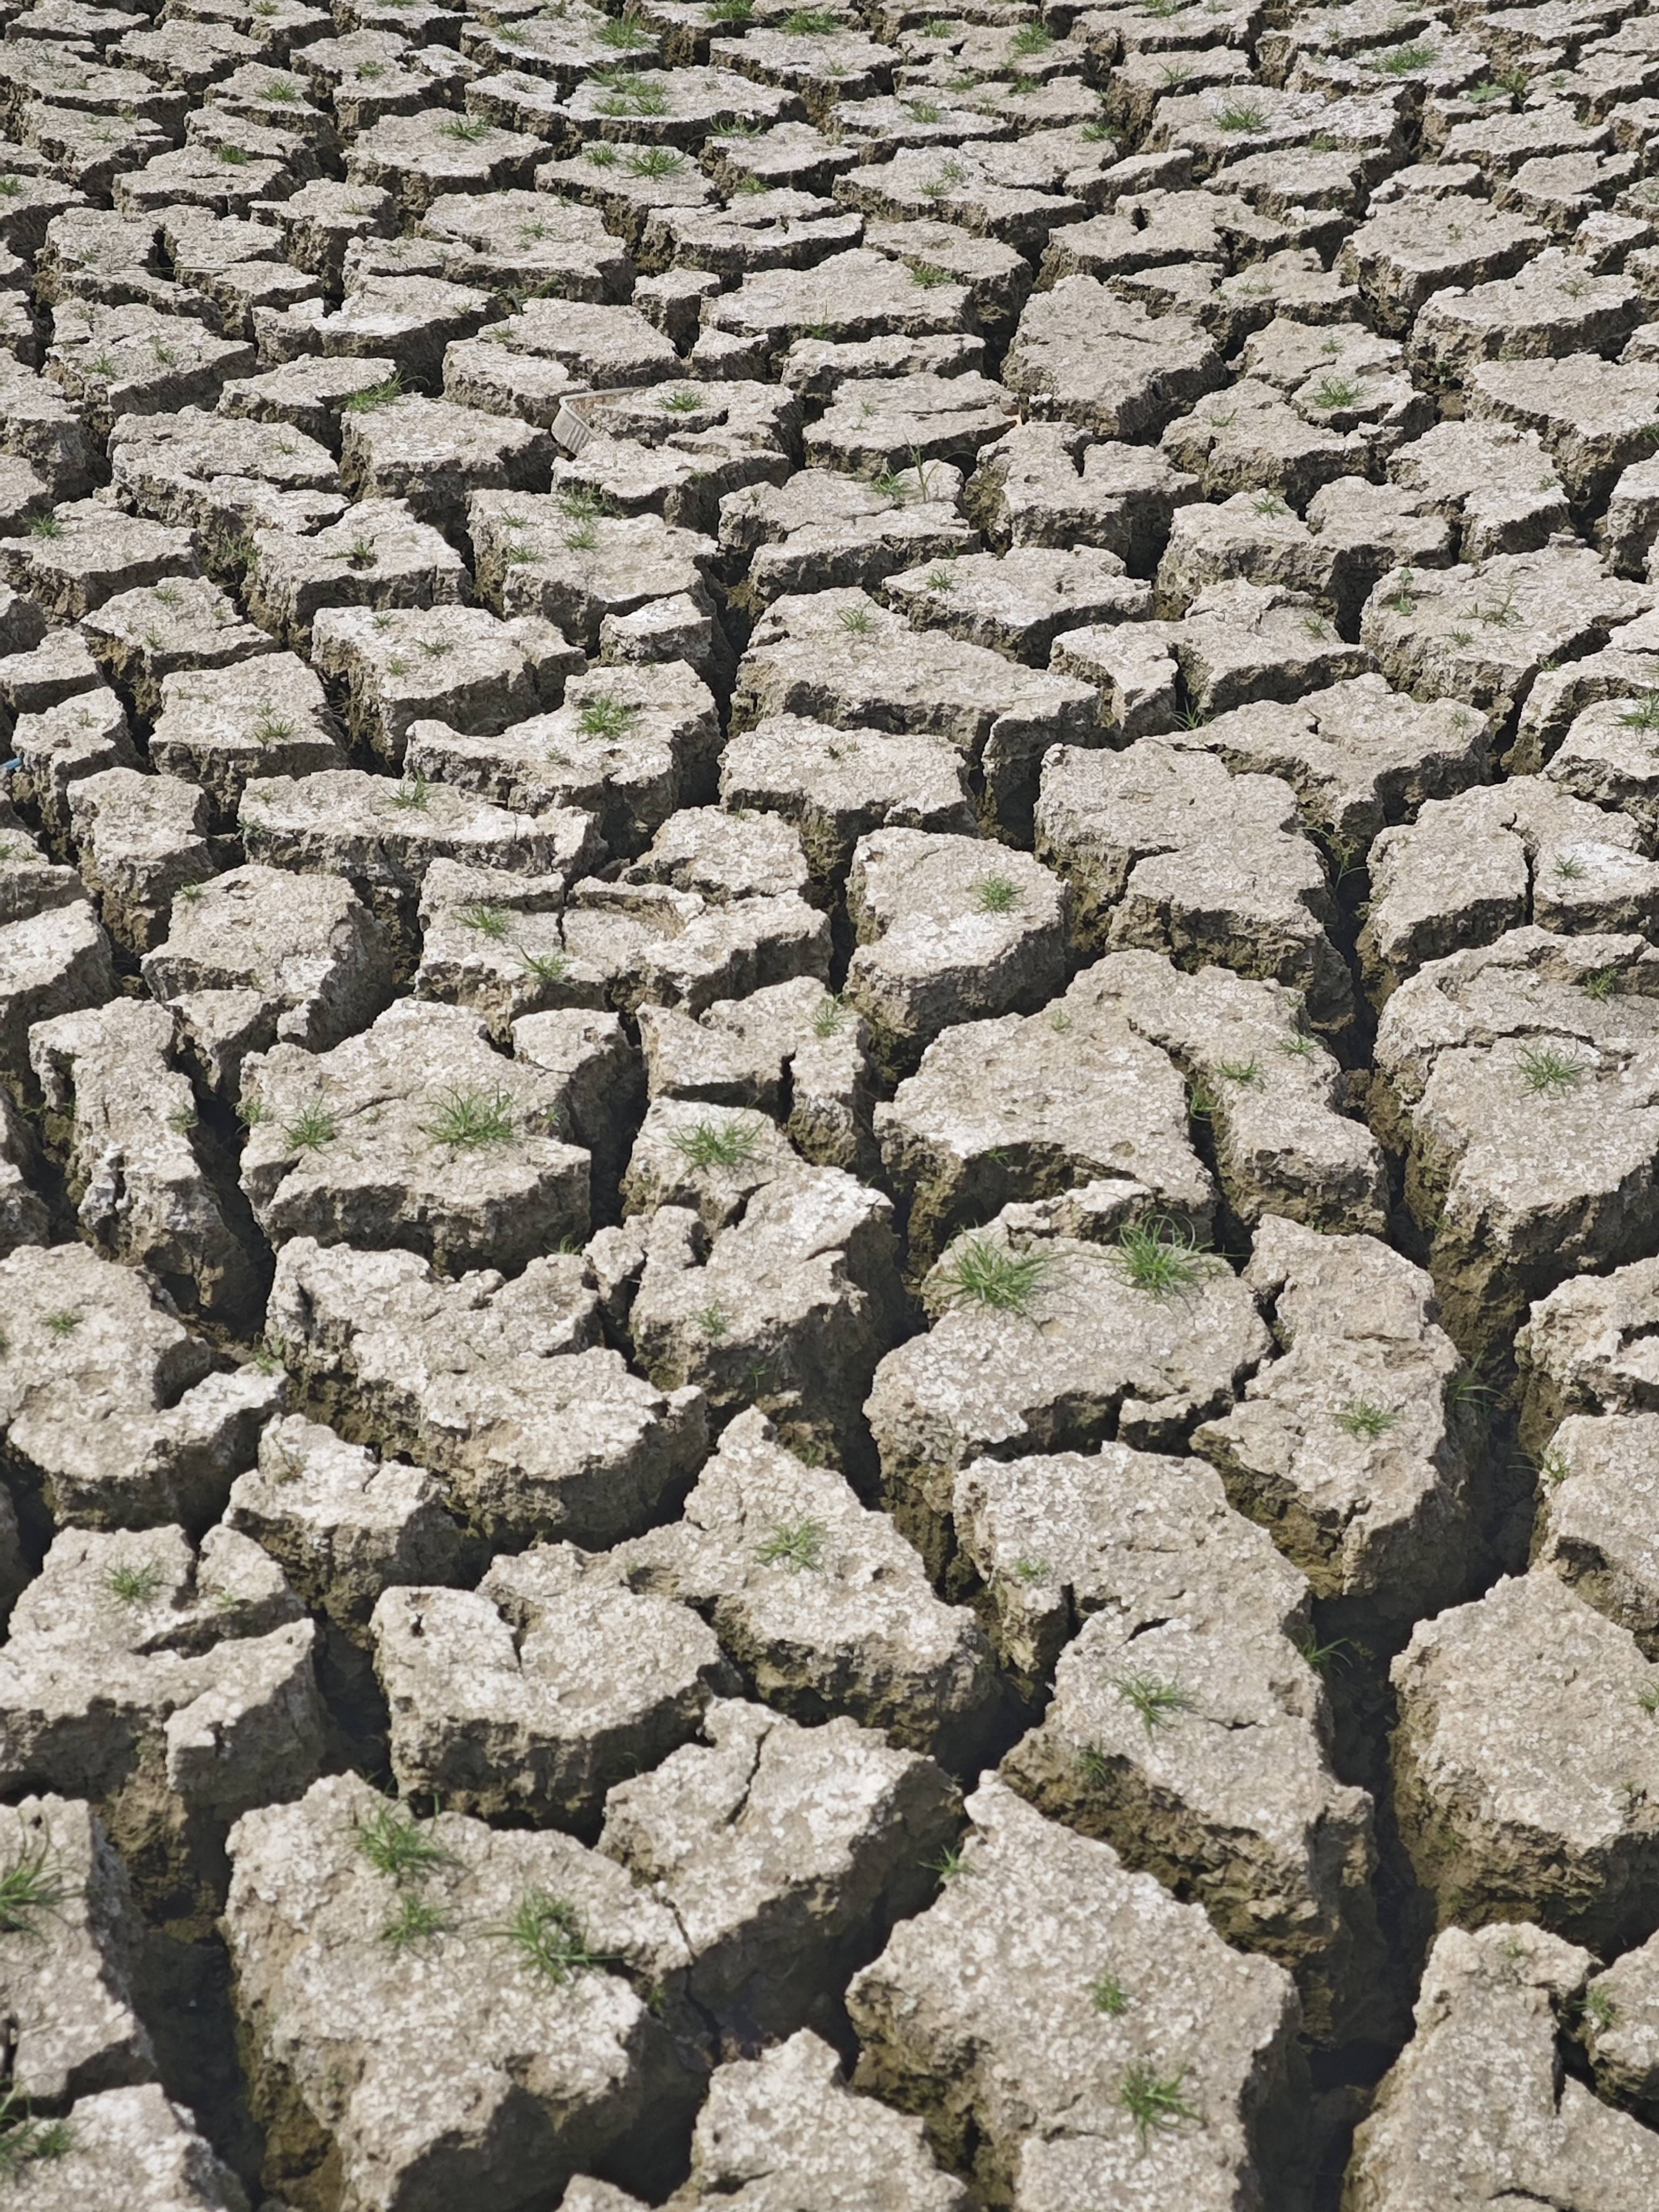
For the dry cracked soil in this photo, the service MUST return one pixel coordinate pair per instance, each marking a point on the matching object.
(829, 1106)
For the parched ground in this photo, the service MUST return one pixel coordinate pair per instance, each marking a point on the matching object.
(829, 1126)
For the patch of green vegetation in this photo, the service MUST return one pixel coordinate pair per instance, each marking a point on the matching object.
(135, 1585)
(29, 1887)
(490, 921)
(1363, 1417)
(1107, 1995)
(1549, 1072)
(1160, 1257)
(709, 1143)
(981, 1272)
(547, 1933)
(1156, 1700)
(468, 1120)
(796, 1545)
(1154, 2101)
(312, 1129)
(373, 397)
(25, 2140)
(395, 1844)
(416, 1920)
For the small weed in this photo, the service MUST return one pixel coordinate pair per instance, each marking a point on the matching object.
(1500, 613)
(981, 1274)
(939, 579)
(271, 728)
(63, 1323)
(1402, 600)
(1405, 59)
(1568, 867)
(1644, 714)
(602, 153)
(829, 1018)
(729, 11)
(605, 717)
(1548, 1073)
(680, 403)
(376, 395)
(951, 1865)
(45, 525)
(1336, 391)
(1032, 1571)
(583, 538)
(491, 921)
(793, 1544)
(616, 33)
(392, 1841)
(416, 1920)
(1465, 1387)
(546, 1932)
(465, 129)
(1270, 502)
(1245, 1072)
(469, 1119)
(1107, 1995)
(361, 553)
(856, 621)
(997, 894)
(1599, 2008)
(130, 1585)
(1648, 1698)
(1157, 1702)
(1030, 39)
(312, 1129)
(24, 2140)
(715, 1322)
(716, 1144)
(656, 162)
(1602, 983)
(545, 966)
(1553, 1466)
(1160, 1257)
(28, 1887)
(1153, 2100)
(809, 23)
(1240, 115)
(411, 796)
(1363, 1417)
(1320, 1656)
(183, 1120)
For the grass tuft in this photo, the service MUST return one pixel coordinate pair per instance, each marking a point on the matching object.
(1153, 2100)
(997, 894)
(716, 1144)
(416, 1920)
(469, 1119)
(1363, 1418)
(793, 1544)
(1160, 1257)
(1107, 1995)
(546, 1931)
(491, 921)
(311, 1129)
(1548, 1073)
(28, 1887)
(605, 717)
(135, 1585)
(377, 395)
(1157, 1702)
(24, 2140)
(983, 1273)
(392, 1841)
